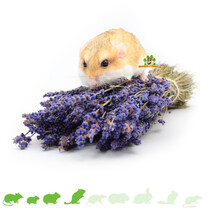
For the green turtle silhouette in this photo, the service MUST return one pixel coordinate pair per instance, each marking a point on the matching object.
(76, 197)
(143, 198)
(118, 198)
(191, 201)
(9, 198)
(32, 200)
(171, 198)
(51, 198)
(95, 198)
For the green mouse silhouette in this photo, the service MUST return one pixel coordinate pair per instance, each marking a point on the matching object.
(51, 198)
(9, 198)
(95, 199)
(76, 197)
(143, 198)
(118, 198)
(32, 200)
(191, 201)
(171, 198)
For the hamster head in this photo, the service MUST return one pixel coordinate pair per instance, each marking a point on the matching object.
(18, 195)
(56, 195)
(99, 60)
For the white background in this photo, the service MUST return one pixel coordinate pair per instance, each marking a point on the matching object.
(39, 47)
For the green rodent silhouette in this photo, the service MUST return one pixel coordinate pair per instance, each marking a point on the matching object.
(171, 198)
(191, 201)
(51, 198)
(76, 197)
(95, 198)
(32, 200)
(11, 198)
(143, 198)
(118, 198)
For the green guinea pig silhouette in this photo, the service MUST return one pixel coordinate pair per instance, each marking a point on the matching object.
(51, 198)
(9, 198)
(118, 198)
(32, 200)
(143, 198)
(76, 197)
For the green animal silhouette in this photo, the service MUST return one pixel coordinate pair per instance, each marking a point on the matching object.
(191, 201)
(9, 198)
(32, 200)
(143, 198)
(95, 199)
(76, 197)
(171, 198)
(118, 198)
(51, 198)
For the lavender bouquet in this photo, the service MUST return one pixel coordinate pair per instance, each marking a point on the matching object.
(114, 116)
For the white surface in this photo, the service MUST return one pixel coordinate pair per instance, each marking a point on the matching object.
(39, 46)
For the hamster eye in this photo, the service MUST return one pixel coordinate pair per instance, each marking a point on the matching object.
(84, 64)
(105, 63)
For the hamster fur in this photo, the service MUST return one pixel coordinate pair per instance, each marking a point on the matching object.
(113, 54)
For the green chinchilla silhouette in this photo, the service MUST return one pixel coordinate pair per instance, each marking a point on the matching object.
(51, 198)
(76, 197)
(9, 198)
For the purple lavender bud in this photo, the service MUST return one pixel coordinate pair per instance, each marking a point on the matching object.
(113, 117)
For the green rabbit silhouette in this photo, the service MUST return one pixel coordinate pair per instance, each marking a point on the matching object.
(143, 198)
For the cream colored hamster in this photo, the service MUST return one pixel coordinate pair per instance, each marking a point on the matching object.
(113, 54)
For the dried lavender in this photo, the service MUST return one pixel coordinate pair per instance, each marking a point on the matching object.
(114, 116)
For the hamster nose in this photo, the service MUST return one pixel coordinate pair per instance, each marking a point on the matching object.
(94, 82)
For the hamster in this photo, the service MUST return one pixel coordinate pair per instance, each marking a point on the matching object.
(51, 198)
(113, 54)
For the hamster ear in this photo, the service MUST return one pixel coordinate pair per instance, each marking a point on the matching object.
(81, 49)
(122, 50)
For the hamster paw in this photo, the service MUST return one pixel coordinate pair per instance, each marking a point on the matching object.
(144, 78)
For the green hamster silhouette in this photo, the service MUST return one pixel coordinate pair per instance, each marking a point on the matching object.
(95, 199)
(143, 198)
(9, 198)
(32, 200)
(118, 198)
(171, 198)
(76, 197)
(191, 201)
(51, 198)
